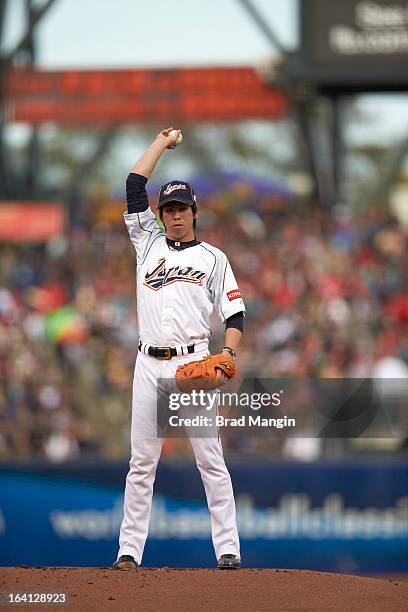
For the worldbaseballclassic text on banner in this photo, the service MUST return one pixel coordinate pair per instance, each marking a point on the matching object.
(312, 408)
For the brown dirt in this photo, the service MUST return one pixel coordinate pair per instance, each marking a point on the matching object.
(102, 589)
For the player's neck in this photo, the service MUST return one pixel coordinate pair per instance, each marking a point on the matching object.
(180, 246)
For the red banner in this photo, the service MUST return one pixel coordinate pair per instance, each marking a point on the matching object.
(125, 96)
(30, 221)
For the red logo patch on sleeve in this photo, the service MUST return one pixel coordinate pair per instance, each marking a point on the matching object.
(234, 294)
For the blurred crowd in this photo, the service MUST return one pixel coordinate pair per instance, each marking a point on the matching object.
(326, 293)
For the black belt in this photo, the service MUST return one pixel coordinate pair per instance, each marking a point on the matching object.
(165, 352)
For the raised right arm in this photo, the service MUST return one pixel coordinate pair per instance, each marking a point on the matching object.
(140, 220)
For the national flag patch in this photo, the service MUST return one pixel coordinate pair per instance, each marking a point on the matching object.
(234, 294)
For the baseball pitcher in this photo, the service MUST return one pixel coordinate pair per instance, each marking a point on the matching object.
(180, 280)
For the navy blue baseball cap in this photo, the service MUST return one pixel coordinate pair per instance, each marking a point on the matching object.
(177, 191)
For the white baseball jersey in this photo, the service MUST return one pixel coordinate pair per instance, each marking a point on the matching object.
(177, 290)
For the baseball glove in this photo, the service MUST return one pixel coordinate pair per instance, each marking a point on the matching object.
(202, 374)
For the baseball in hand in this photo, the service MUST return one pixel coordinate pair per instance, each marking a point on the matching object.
(180, 136)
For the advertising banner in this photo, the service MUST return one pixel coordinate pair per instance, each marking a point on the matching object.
(30, 221)
(356, 40)
(100, 97)
(324, 516)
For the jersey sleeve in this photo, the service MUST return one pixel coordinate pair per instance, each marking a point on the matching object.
(224, 289)
(143, 229)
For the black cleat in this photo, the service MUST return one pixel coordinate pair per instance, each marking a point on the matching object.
(229, 562)
(125, 563)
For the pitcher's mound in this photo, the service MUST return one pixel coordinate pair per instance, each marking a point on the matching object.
(102, 589)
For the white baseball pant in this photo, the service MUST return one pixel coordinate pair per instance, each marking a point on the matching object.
(145, 453)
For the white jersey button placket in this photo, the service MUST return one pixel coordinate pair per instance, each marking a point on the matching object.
(167, 301)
